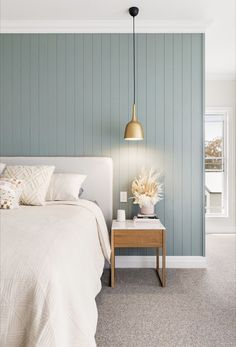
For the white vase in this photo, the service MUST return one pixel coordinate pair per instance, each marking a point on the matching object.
(149, 209)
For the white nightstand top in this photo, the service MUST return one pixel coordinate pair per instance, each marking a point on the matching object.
(130, 224)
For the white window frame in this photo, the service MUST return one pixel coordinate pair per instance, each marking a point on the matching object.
(225, 225)
(221, 115)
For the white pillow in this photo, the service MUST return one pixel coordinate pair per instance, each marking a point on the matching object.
(35, 179)
(2, 167)
(65, 187)
(10, 191)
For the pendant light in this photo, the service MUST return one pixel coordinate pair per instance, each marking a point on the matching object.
(134, 129)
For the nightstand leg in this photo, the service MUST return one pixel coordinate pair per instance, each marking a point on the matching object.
(157, 255)
(112, 261)
(162, 275)
(164, 259)
(113, 269)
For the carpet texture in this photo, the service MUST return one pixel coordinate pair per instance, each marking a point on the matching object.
(197, 308)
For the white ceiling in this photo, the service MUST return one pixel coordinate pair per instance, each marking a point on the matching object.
(217, 16)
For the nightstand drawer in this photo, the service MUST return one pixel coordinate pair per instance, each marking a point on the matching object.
(138, 238)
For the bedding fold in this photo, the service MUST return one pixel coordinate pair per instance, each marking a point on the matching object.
(52, 258)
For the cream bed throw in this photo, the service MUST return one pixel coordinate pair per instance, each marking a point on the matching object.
(52, 258)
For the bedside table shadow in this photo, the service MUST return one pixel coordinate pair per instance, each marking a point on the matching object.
(133, 281)
(131, 277)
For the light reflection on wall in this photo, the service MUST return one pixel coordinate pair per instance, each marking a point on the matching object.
(128, 160)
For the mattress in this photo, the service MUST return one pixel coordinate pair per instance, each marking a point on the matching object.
(52, 258)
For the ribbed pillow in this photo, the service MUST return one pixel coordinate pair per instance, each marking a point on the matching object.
(35, 179)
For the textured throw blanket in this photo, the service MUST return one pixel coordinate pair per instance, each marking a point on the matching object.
(52, 258)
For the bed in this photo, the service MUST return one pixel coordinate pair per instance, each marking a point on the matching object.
(52, 258)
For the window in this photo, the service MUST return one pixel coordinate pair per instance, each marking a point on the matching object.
(216, 164)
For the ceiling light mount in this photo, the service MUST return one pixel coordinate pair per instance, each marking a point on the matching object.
(133, 11)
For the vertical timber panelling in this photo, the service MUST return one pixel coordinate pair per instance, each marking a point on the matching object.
(197, 153)
(169, 137)
(71, 94)
(187, 146)
(178, 143)
(60, 93)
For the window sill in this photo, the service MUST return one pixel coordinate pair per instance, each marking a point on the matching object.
(210, 216)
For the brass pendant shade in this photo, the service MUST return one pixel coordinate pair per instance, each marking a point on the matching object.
(134, 129)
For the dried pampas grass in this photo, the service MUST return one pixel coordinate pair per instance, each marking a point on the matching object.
(147, 189)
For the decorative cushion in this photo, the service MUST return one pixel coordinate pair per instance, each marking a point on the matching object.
(36, 180)
(10, 191)
(65, 187)
(2, 167)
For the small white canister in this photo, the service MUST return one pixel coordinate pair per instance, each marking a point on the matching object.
(120, 215)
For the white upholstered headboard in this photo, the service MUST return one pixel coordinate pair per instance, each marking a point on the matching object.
(99, 171)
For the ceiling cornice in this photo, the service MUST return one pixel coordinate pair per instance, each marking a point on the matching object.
(102, 26)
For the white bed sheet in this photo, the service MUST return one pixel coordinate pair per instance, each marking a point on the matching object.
(52, 258)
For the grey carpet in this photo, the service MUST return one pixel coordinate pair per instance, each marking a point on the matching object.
(197, 308)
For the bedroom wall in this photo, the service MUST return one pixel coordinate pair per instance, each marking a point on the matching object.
(71, 95)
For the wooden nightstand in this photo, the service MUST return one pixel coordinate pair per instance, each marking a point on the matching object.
(139, 235)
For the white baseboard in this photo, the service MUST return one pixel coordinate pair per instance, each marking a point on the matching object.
(173, 262)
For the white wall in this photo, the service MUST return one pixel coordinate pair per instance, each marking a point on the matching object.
(222, 94)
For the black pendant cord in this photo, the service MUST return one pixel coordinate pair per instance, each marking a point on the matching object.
(134, 55)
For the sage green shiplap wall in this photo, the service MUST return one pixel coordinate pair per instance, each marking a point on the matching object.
(71, 94)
